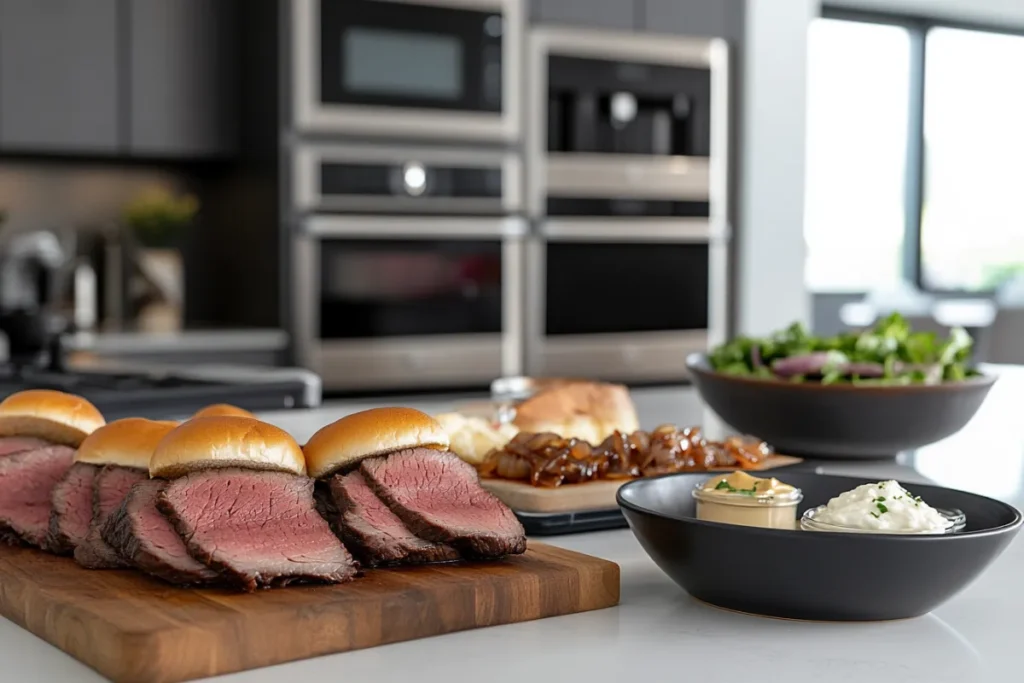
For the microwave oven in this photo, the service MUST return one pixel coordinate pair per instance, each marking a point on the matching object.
(418, 69)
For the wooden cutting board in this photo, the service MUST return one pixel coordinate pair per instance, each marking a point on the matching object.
(134, 629)
(595, 495)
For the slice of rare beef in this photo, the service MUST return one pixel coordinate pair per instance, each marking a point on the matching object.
(71, 511)
(146, 539)
(439, 497)
(373, 532)
(257, 528)
(112, 484)
(16, 444)
(27, 480)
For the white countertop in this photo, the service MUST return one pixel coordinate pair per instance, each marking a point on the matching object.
(658, 632)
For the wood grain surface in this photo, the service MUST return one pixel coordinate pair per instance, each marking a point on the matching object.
(595, 495)
(134, 629)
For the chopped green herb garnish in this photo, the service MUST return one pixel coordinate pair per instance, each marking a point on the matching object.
(882, 508)
(874, 514)
(724, 485)
(879, 499)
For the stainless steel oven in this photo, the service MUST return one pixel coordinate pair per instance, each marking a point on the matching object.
(440, 69)
(406, 179)
(626, 147)
(405, 302)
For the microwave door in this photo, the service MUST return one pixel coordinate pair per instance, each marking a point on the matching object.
(408, 302)
(623, 302)
(420, 69)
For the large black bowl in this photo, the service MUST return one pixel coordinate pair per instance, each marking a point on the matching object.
(810, 574)
(839, 420)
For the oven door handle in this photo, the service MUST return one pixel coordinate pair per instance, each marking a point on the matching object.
(685, 230)
(400, 227)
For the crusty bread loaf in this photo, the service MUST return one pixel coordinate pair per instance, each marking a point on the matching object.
(226, 441)
(585, 410)
(52, 415)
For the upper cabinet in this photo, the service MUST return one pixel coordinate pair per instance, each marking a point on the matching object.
(705, 18)
(59, 76)
(615, 14)
(182, 92)
(147, 78)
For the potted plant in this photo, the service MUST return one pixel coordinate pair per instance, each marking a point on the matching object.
(157, 221)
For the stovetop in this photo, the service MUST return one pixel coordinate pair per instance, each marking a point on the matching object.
(170, 393)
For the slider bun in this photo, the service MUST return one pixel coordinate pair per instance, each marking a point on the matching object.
(129, 442)
(51, 415)
(223, 409)
(353, 438)
(226, 441)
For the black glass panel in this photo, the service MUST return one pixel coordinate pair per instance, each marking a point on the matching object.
(595, 288)
(575, 206)
(409, 55)
(390, 288)
(383, 179)
(613, 107)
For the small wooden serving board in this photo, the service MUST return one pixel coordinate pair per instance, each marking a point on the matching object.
(594, 495)
(134, 629)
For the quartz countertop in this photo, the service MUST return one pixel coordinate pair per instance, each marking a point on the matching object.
(658, 632)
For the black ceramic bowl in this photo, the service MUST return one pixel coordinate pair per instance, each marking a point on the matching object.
(839, 421)
(825, 576)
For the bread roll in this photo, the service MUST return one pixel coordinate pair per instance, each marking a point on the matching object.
(585, 410)
(225, 441)
(223, 409)
(51, 415)
(342, 444)
(472, 438)
(129, 442)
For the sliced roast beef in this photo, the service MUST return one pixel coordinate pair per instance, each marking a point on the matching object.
(71, 511)
(146, 540)
(256, 528)
(373, 532)
(27, 480)
(15, 444)
(109, 489)
(439, 497)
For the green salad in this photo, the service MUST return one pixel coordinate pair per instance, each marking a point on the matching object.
(889, 353)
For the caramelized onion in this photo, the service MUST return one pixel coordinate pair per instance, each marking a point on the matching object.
(549, 460)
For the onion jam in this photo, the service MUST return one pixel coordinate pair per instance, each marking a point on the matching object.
(549, 460)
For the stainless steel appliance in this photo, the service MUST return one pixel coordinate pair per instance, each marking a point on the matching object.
(406, 179)
(399, 302)
(626, 185)
(408, 68)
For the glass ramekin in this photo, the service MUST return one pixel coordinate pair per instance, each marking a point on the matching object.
(955, 521)
(766, 510)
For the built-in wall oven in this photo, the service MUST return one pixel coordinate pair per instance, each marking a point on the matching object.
(407, 266)
(626, 187)
(439, 69)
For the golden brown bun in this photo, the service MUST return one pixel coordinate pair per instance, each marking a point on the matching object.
(129, 442)
(368, 433)
(52, 415)
(472, 438)
(226, 441)
(584, 410)
(222, 410)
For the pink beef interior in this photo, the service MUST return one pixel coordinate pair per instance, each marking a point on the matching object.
(439, 497)
(110, 488)
(156, 535)
(72, 506)
(16, 444)
(260, 526)
(27, 480)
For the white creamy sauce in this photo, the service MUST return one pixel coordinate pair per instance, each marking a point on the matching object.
(885, 506)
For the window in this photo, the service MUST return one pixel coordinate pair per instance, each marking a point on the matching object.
(914, 147)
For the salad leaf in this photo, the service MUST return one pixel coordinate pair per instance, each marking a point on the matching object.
(890, 353)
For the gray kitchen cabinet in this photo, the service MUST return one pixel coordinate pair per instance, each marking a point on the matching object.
(616, 14)
(59, 76)
(181, 78)
(707, 18)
